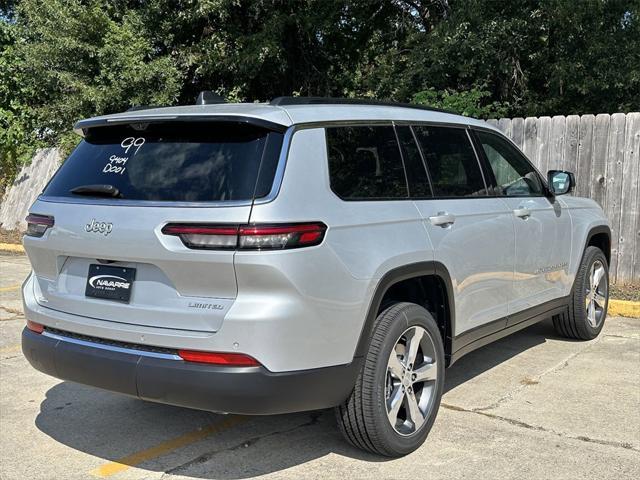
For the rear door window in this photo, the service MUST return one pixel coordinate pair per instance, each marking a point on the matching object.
(365, 163)
(190, 162)
(453, 167)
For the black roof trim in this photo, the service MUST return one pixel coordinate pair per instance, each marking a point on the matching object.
(105, 122)
(285, 101)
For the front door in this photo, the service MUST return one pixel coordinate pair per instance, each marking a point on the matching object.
(542, 225)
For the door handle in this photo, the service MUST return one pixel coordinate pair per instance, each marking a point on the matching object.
(442, 219)
(523, 213)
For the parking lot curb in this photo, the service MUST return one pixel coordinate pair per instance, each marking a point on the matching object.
(11, 247)
(624, 308)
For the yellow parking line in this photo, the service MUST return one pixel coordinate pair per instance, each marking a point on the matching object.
(11, 247)
(624, 308)
(111, 468)
(9, 288)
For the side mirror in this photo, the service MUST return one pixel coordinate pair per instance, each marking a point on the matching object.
(560, 181)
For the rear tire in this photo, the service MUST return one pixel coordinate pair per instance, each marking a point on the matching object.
(587, 310)
(397, 393)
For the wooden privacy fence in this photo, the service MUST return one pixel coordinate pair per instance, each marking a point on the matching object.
(604, 153)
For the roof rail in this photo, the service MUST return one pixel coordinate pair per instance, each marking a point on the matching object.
(285, 101)
(135, 108)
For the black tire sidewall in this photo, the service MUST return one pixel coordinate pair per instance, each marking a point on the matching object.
(591, 255)
(409, 316)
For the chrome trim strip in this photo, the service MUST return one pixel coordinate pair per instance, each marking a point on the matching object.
(282, 163)
(112, 348)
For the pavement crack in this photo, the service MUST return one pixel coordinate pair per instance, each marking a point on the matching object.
(10, 357)
(535, 379)
(521, 424)
(613, 335)
(15, 311)
(314, 419)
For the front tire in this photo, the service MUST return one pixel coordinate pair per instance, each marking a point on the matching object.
(398, 390)
(587, 310)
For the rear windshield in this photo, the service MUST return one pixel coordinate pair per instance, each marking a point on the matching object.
(191, 162)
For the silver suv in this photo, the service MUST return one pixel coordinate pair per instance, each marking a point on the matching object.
(302, 254)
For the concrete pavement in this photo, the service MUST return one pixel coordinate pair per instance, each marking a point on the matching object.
(531, 406)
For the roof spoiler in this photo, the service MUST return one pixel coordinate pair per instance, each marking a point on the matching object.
(83, 126)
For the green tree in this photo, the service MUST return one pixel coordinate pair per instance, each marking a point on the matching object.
(472, 103)
(539, 56)
(62, 60)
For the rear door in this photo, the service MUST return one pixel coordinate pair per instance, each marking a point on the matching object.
(472, 233)
(182, 173)
(542, 226)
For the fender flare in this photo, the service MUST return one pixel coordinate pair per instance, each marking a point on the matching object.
(592, 233)
(399, 274)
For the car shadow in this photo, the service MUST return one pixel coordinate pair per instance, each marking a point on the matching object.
(113, 427)
(495, 353)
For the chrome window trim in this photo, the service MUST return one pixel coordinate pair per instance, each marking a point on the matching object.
(280, 168)
(111, 348)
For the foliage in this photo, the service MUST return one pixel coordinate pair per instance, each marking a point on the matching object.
(541, 57)
(472, 103)
(62, 60)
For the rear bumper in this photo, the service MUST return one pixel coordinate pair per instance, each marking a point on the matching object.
(165, 378)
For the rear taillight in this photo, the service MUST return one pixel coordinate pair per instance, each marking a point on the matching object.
(38, 224)
(248, 237)
(35, 327)
(215, 358)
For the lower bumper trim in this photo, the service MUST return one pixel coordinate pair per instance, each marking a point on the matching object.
(239, 390)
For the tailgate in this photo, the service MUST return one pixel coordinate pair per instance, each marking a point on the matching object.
(174, 287)
(110, 200)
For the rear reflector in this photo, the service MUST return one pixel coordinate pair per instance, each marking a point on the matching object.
(248, 237)
(35, 327)
(38, 224)
(228, 359)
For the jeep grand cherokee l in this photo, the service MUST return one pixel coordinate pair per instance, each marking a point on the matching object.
(302, 254)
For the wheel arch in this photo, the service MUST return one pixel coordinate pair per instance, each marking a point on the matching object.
(599, 236)
(432, 270)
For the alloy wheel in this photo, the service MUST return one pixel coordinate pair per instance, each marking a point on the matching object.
(596, 294)
(411, 381)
